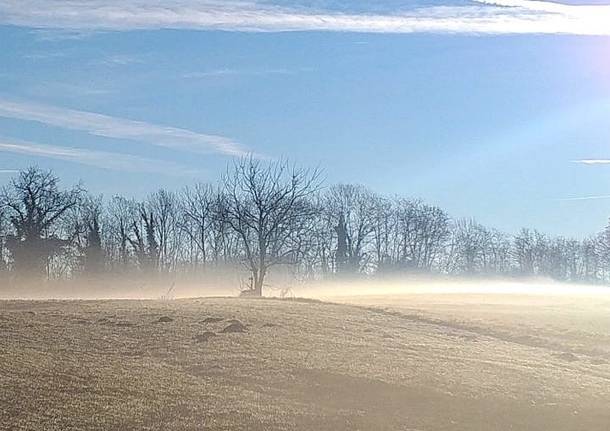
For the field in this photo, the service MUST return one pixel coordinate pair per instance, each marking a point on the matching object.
(439, 361)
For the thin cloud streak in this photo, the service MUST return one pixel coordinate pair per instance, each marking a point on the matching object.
(98, 159)
(59, 35)
(8, 171)
(585, 198)
(119, 60)
(119, 128)
(236, 72)
(593, 161)
(479, 17)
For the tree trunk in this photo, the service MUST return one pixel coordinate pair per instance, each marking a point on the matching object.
(341, 257)
(258, 286)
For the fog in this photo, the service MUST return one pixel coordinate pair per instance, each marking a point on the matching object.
(231, 284)
(436, 286)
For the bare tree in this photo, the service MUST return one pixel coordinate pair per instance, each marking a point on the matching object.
(197, 208)
(143, 239)
(93, 252)
(384, 226)
(531, 251)
(422, 233)
(266, 203)
(224, 241)
(35, 206)
(590, 260)
(496, 257)
(121, 216)
(468, 245)
(162, 228)
(3, 237)
(352, 210)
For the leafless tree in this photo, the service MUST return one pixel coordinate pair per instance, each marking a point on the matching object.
(224, 241)
(267, 204)
(162, 228)
(422, 232)
(4, 230)
(197, 207)
(120, 218)
(351, 209)
(384, 234)
(591, 261)
(533, 252)
(91, 213)
(35, 206)
(468, 246)
(143, 240)
(83, 227)
(496, 257)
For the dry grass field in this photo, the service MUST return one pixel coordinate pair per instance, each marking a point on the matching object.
(391, 362)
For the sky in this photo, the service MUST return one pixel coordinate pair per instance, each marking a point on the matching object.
(497, 110)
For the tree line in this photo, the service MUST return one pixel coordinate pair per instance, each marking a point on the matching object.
(264, 216)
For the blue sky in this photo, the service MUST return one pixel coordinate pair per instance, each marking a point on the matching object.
(496, 110)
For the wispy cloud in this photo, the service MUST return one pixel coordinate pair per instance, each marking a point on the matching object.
(54, 34)
(585, 198)
(44, 55)
(593, 161)
(100, 159)
(76, 92)
(119, 60)
(218, 73)
(592, 197)
(120, 128)
(9, 171)
(479, 16)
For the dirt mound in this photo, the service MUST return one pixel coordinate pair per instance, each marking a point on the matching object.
(201, 338)
(270, 325)
(235, 326)
(124, 324)
(567, 356)
(212, 320)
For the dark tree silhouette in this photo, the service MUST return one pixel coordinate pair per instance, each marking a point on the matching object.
(94, 259)
(352, 208)
(266, 206)
(121, 216)
(197, 209)
(36, 206)
(144, 242)
(3, 237)
(341, 259)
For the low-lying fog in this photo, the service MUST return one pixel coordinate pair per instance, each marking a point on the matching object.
(446, 286)
(329, 290)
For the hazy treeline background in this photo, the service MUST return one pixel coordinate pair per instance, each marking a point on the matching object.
(263, 218)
